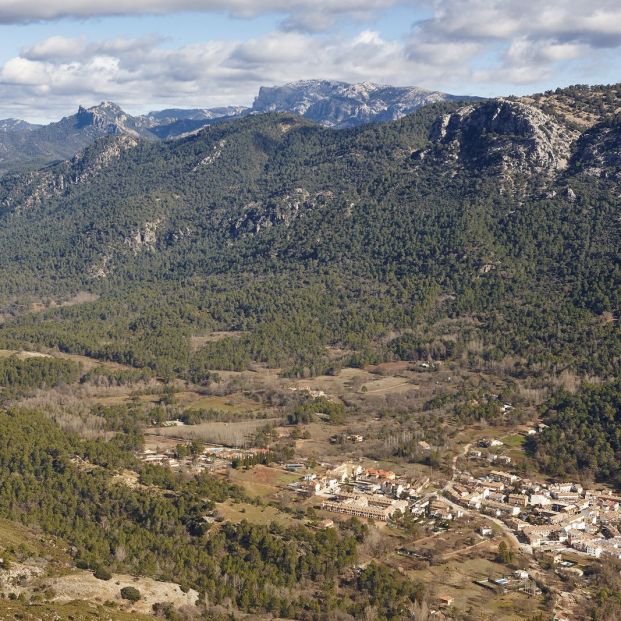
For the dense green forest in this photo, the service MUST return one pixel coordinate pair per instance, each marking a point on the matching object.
(301, 238)
(158, 530)
(584, 434)
(36, 372)
(306, 249)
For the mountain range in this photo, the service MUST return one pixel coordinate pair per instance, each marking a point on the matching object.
(501, 215)
(333, 104)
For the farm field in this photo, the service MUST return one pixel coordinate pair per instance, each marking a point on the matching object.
(232, 404)
(229, 434)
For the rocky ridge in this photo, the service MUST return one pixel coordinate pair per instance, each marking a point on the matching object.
(339, 104)
(333, 104)
(598, 153)
(16, 125)
(32, 188)
(510, 138)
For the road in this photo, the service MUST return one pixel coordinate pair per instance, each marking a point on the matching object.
(505, 529)
(454, 466)
(479, 544)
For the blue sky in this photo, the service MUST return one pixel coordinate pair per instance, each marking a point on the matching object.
(147, 54)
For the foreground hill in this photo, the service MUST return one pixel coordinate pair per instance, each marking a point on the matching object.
(501, 215)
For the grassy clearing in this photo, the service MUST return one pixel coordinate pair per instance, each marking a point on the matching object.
(456, 579)
(516, 440)
(15, 536)
(262, 481)
(23, 355)
(12, 534)
(237, 512)
(388, 385)
(233, 404)
(198, 341)
(230, 434)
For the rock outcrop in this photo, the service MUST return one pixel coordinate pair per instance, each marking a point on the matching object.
(32, 188)
(279, 210)
(511, 138)
(598, 152)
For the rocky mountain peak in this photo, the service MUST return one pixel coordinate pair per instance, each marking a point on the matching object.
(16, 125)
(107, 117)
(339, 104)
(511, 136)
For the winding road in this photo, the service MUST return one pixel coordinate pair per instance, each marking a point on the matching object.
(505, 529)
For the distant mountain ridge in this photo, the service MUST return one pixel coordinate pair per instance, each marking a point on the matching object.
(340, 104)
(16, 125)
(333, 104)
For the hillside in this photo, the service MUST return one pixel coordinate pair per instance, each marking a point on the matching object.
(199, 335)
(496, 213)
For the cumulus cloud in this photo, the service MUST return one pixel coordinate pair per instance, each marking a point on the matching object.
(594, 22)
(499, 44)
(138, 72)
(520, 42)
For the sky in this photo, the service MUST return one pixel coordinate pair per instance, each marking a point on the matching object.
(152, 54)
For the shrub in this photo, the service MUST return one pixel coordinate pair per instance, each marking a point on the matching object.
(130, 593)
(102, 573)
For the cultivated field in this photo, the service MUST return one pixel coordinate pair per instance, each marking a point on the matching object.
(230, 434)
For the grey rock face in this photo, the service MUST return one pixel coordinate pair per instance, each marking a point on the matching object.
(170, 115)
(339, 104)
(282, 209)
(598, 152)
(511, 137)
(37, 186)
(16, 125)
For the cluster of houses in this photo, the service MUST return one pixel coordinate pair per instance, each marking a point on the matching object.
(210, 457)
(492, 458)
(363, 492)
(315, 394)
(553, 516)
(343, 438)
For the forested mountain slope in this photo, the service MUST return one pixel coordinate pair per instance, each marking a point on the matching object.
(499, 214)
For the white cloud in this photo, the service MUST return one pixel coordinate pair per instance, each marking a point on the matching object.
(463, 46)
(511, 42)
(593, 22)
(141, 72)
(304, 14)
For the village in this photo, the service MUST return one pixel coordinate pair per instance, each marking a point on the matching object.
(195, 458)
(553, 517)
